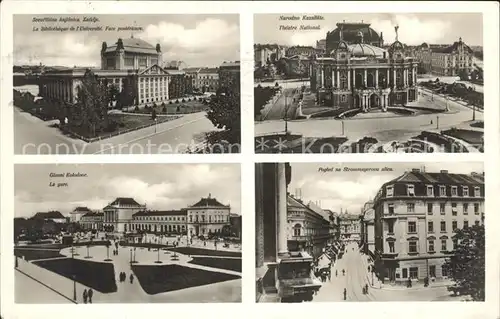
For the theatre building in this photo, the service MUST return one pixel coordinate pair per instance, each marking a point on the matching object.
(416, 215)
(356, 72)
(129, 64)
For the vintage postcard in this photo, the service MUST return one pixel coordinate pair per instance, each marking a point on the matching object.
(368, 83)
(126, 84)
(370, 232)
(127, 233)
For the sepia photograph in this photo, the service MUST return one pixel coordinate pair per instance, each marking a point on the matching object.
(335, 232)
(126, 84)
(368, 83)
(127, 233)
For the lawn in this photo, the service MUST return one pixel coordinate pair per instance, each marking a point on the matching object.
(35, 254)
(472, 137)
(124, 123)
(223, 263)
(98, 276)
(159, 279)
(175, 108)
(205, 252)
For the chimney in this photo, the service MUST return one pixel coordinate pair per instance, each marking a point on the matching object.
(415, 170)
(444, 171)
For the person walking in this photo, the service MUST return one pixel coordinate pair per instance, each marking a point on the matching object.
(366, 289)
(336, 273)
(90, 294)
(345, 294)
(131, 278)
(329, 276)
(343, 272)
(84, 295)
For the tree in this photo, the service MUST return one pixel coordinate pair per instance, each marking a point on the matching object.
(113, 93)
(153, 114)
(92, 101)
(463, 75)
(224, 112)
(467, 265)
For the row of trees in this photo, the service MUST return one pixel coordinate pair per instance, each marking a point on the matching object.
(262, 95)
(459, 90)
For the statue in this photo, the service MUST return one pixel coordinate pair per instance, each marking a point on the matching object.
(104, 47)
(119, 44)
(158, 48)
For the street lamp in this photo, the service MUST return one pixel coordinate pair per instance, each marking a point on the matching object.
(74, 275)
(437, 121)
(343, 128)
(156, 121)
(130, 255)
(158, 261)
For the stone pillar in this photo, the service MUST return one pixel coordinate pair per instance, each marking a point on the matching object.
(349, 79)
(322, 77)
(387, 78)
(364, 78)
(376, 78)
(282, 210)
(414, 76)
(353, 78)
(338, 79)
(405, 77)
(333, 79)
(394, 79)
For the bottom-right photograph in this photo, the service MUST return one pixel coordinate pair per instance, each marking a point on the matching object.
(378, 231)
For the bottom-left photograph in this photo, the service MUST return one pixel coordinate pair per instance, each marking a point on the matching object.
(127, 233)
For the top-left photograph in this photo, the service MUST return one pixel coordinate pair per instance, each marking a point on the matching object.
(126, 84)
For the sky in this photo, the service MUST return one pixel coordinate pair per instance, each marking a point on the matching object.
(198, 40)
(414, 28)
(159, 186)
(351, 190)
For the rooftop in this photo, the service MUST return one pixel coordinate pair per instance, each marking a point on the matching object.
(127, 201)
(51, 214)
(134, 45)
(208, 202)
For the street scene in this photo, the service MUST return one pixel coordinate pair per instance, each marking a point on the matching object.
(369, 232)
(126, 84)
(79, 240)
(368, 83)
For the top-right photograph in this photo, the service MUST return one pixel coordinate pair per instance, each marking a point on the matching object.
(368, 83)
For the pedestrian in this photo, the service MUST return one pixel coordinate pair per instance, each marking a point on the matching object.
(336, 273)
(345, 294)
(329, 276)
(90, 294)
(343, 272)
(131, 278)
(366, 288)
(409, 283)
(84, 295)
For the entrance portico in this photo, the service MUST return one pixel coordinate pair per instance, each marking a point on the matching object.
(370, 98)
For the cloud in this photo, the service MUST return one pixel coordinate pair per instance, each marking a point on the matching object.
(413, 30)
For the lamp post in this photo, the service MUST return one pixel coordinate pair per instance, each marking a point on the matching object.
(130, 255)
(134, 254)
(343, 128)
(156, 122)
(74, 276)
(437, 122)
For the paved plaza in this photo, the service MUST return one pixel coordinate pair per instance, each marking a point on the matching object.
(62, 288)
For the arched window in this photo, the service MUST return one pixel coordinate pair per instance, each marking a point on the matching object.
(297, 230)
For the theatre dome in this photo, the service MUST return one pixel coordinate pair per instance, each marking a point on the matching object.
(366, 50)
(349, 33)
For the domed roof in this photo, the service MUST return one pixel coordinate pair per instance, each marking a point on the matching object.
(364, 50)
(350, 32)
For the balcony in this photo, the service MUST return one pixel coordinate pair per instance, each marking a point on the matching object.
(390, 216)
(301, 238)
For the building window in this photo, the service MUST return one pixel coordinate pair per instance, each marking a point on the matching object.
(410, 190)
(390, 191)
(391, 209)
(431, 246)
(432, 271)
(410, 207)
(343, 98)
(444, 246)
(405, 272)
(430, 226)
(466, 208)
(390, 226)
(429, 208)
(412, 246)
(412, 227)
(476, 223)
(442, 207)
(465, 191)
(444, 271)
(391, 247)
(477, 192)
(454, 225)
(443, 226)
(454, 191)
(466, 223)
(413, 272)
(442, 190)
(296, 230)
(454, 209)
(430, 190)
(476, 208)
